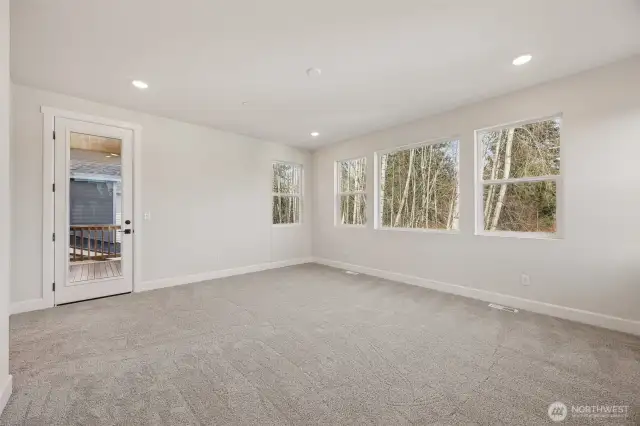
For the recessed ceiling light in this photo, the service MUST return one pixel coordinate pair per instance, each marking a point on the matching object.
(314, 72)
(521, 60)
(140, 84)
(315, 134)
(245, 103)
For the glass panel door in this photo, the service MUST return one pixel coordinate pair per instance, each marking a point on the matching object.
(93, 210)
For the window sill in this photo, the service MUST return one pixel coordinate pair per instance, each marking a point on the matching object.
(420, 230)
(342, 225)
(286, 225)
(520, 235)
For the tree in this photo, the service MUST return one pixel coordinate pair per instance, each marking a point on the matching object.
(530, 150)
(419, 187)
(505, 175)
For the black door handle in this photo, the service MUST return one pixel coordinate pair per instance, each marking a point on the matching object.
(127, 231)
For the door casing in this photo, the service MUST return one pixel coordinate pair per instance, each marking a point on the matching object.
(48, 226)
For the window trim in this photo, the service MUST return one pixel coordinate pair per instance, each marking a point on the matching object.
(480, 183)
(337, 194)
(300, 195)
(377, 164)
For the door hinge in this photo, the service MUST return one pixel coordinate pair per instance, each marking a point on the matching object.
(53, 187)
(54, 286)
(53, 237)
(54, 135)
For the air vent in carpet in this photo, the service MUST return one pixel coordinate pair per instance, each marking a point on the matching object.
(503, 308)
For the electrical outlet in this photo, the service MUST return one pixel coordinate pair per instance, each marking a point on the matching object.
(147, 215)
(524, 279)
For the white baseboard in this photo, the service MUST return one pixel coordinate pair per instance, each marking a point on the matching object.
(206, 276)
(29, 305)
(5, 393)
(578, 315)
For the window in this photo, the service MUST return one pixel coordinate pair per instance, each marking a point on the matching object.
(419, 187)
(352, 198)
(519, 173)
(287, 193)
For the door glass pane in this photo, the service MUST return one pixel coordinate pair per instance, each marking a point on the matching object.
(95, 208)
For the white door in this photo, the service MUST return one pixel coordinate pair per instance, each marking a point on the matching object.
(93, 210)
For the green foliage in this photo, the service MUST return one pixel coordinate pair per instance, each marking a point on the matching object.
(527, 207)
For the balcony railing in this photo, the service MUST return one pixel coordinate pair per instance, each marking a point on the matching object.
(94, 242)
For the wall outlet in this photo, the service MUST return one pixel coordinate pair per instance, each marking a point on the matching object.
(147, 215)
(524, 279)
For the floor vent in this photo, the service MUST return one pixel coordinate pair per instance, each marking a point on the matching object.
(352, 272)
(503, 308)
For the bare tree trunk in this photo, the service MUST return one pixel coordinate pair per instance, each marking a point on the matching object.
(427, 194)
(450, 215)
(494, 169)
(355, 199)
(405, 193)
(503, 187)
(278, 199)
(423, 169)
(393, 185)
(413, 203)
(452, 222)
(433, 190)
(383, 188)
(456, 210)
(344, 213)
(435, 204)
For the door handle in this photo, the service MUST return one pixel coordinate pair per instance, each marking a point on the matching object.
(127, 231)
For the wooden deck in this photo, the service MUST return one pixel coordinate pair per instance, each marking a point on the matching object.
(89, 271)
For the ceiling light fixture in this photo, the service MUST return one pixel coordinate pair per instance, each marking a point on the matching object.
(314, 72)
(140, 84)
(521, 60)
(315, 134)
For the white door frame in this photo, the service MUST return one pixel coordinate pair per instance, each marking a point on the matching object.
(48, 246)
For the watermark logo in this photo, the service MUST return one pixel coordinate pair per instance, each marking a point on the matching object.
(557, 411)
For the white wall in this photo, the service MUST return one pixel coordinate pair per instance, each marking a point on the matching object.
(595, 267)
(5, 238)
(209, 194)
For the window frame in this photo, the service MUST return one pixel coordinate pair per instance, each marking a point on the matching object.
(480, 184)
(377, 208)
(338, 194)
(300, 194)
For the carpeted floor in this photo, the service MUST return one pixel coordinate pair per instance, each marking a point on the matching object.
(309, 345)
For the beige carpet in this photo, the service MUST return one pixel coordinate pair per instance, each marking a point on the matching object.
(309, 345)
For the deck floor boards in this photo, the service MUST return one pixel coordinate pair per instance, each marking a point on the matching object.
(94, 271)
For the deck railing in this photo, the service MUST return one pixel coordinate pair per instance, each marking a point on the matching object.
(93, 242)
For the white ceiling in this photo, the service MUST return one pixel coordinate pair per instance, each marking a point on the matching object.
(384, 62)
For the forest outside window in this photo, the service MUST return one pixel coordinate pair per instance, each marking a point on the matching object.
(286, 193)
(519, 177)
(419, 187)
(352, 198)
